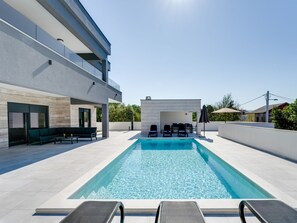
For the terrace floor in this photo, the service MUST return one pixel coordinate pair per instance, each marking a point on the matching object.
(31, 175)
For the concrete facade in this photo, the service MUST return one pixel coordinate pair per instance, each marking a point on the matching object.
(61, 112)
(63, 70)
(157, 112)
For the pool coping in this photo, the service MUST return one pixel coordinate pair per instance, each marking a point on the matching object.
(60, 204)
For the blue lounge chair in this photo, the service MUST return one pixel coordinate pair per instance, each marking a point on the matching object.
(153, 131)
(182, 130)
(167, 131)
(174, 127)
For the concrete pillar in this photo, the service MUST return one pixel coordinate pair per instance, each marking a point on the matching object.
(105, 70)
(105, 121)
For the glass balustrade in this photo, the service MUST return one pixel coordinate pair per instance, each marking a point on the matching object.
(43, 37)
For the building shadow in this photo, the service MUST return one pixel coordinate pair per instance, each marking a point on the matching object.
(23, 155)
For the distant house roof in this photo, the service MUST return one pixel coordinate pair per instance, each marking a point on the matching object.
(263, 108)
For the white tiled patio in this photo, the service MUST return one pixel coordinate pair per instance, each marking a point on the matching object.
(33, 174)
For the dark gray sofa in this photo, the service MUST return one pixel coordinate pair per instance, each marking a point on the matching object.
(41, 136)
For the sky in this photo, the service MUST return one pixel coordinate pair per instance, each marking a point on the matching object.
(201, 49)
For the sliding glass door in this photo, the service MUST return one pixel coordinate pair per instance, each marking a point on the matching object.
(21, 118)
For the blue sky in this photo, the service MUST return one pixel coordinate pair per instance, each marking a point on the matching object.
(200, 48)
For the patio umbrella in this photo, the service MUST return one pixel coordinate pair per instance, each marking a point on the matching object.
(225, 111)
(203, 117)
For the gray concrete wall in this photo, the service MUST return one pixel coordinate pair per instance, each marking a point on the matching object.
(24, 62)
(151, 110)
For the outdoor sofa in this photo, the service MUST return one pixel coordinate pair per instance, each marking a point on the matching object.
(41, 136)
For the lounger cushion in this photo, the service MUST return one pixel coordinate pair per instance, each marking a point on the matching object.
(93, 212)
(180, 212)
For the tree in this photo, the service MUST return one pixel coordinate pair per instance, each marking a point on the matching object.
(121, 113)
(286, 118)
(227, 102)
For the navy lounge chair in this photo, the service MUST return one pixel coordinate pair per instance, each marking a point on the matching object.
(268, 211)
(153, 131)
(95, 212)
(174, 127)
(189, 127)
(167, 131)
(179, 211)
(182, 130)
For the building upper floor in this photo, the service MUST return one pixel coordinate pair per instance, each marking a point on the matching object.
(65, 27)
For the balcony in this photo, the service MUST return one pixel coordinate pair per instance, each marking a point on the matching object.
(31, 29)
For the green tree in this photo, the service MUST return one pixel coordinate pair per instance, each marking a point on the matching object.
(119, 112)
(286, 118)
(227, 102)
(99, 114)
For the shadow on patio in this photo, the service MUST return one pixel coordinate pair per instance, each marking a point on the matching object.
(19, 156)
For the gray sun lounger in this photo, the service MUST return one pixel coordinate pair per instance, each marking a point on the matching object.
(269, 211)
(179, 212)
(95, 212)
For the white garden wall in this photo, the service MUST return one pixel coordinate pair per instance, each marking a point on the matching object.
(214, 126)
(120, 126)
(282, 143)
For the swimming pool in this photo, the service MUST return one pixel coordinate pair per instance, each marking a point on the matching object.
(169, 169)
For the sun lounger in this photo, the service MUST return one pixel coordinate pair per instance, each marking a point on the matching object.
(182, 130)
(179, 212)
(153, 131)
(269, 211)
(174, 127)
(95, 212)
(189, 127)
(167, 131)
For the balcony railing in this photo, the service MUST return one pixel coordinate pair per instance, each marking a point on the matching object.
(34, 31)
(114, 84)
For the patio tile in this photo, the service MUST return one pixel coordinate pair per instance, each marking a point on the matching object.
(27, 186)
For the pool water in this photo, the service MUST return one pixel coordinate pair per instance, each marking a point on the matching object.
(169, 169)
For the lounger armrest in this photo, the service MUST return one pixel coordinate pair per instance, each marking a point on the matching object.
(268, 211)
(242, 204)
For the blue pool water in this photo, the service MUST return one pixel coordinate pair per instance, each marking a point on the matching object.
(169, 169)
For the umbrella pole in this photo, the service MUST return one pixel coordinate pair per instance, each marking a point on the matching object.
(204, 129)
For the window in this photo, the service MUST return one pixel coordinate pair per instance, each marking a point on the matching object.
(16, 120)
(37, 120)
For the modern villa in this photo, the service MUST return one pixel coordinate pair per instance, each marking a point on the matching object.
(53, 69)
(54, 74)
